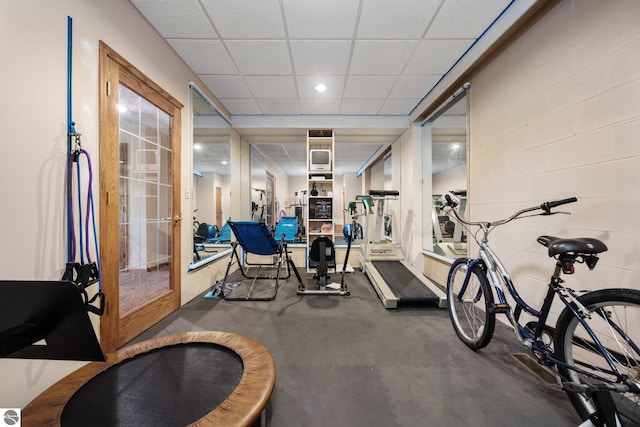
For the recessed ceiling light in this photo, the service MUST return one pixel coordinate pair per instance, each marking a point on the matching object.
(224, 162)
(197, 146)
(320, 87)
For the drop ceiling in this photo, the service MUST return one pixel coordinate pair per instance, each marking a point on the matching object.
(378, 59)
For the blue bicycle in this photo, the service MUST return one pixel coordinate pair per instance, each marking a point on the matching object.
(594, 345)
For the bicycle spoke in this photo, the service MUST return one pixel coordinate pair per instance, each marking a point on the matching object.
(471, 320)
(612, 358)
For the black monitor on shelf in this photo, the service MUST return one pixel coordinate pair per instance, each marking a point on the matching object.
(321, 208)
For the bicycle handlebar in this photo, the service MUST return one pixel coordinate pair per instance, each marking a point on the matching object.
(546, 206)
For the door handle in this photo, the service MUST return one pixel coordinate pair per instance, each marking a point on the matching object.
(177, 219)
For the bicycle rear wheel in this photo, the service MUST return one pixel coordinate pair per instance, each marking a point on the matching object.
(574, 346)
(469, 308)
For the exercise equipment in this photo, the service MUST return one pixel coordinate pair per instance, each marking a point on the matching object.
(80, 269)
(299, 209)
(287, 229)
(449, 238)
(53, 311)
(354, 229)
(223, 236)
(322, 258)
(205, 232)
(204, 378)
(395, 280)
(255, 239)
(258, 206)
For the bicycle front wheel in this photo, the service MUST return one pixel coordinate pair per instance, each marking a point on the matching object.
(470, 304)
(614, 319)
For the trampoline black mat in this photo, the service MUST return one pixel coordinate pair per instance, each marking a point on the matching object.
(168, 386)
(405, 285)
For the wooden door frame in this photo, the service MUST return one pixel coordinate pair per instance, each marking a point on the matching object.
(218, 202)
(113, 71)
(271, 197)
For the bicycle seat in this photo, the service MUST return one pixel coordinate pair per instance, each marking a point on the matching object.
(578, 246)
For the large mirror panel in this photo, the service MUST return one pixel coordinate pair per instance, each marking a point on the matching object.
(211, 186)
(449, 177)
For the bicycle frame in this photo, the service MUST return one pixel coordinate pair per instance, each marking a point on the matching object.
(498, 276)
(500, 279)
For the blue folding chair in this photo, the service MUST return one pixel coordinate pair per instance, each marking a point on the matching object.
(287, 229)
(255, 238)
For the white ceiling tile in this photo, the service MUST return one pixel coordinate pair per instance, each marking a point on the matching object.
(320, 57)
(204, 56)
(401, 107)
(402, 48)
(381, 57)
(368, 86)
(436, 56)
(320, 106)
(241, 106)
(406, 19)
(361, 106)
(260, 57)
(271, 86)
(471, 18)
(411, 86)
(246, 19)
(334, 84)
(169, 18)
(226, 86)
(279, 106)
(327, 19)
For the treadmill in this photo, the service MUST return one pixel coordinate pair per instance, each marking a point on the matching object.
(396, 282)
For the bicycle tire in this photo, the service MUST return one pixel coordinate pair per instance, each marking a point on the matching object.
(473, 318)
(573, 348)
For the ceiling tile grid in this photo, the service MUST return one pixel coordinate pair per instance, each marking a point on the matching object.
(376, 57)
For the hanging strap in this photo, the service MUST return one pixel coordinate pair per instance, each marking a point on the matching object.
(81, 273)
(86, 272)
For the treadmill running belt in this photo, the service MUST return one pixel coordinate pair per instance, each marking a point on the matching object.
(405, 285)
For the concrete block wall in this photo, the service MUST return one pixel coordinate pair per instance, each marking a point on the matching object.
(557, 114)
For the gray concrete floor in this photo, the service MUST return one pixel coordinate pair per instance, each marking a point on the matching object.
(348, 361)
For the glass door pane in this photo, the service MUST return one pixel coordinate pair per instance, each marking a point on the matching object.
(145, 201)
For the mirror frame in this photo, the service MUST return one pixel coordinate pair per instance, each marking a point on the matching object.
(223, 122)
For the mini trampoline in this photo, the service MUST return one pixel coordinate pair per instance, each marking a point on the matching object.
(194, 378)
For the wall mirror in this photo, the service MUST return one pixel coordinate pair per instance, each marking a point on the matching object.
(449, 176)
(391, 205)
(210, 189)
(261, 206)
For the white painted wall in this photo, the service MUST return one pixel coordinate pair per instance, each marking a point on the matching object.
(557, 114)
(206, 190)
(33, 42)
(450, 179)
(407, 224)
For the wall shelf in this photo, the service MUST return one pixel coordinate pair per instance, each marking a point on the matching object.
(320, 185)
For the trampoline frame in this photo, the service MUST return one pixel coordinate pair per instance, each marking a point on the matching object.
(241, 408)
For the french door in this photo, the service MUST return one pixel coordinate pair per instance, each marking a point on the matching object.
(139, 200)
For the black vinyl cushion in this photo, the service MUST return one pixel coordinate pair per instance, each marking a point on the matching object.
(169, 386)
(315, 252)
